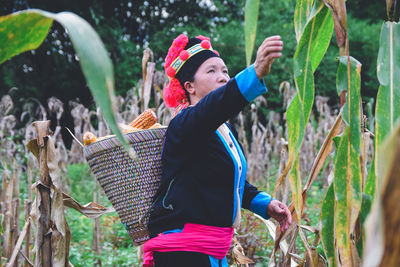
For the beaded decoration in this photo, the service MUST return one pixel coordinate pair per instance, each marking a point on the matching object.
(174, 94)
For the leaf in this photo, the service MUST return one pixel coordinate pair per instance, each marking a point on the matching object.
(27, 29)
(370, 185)
(301, 14)
(22, 31)
(323, 153)
(309, 52)
(382, 244)
(328, 226)
(33, 147)
(367, 200)
(90, 210)
(147, 85)
(61, 235)
(250, 27)
(52, 163)
(315, 39)
(388, 99)
(348, 178)
(238, 253)
(272, 231)
(338, 8)
(391, 9)
(308, 254)
(387, 113)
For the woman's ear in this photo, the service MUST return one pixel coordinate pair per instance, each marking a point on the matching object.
(189, 87)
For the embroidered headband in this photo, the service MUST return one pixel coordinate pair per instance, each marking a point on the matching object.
(183, 59)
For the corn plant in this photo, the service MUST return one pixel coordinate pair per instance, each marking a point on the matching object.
(342, 234)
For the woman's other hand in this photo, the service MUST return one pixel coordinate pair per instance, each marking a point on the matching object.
(267, 52)
(281, 213)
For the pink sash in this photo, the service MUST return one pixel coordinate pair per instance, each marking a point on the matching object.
(210, 240)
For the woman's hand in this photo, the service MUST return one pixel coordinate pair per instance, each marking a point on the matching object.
(281, 213)
(266, 54)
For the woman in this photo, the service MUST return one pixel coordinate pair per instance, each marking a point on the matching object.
(203, 184)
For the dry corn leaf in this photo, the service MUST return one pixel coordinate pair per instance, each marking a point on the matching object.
(338, 8)
(323, 153)
(90, 210)
(147, 84)
(33, 147)
(238, 253)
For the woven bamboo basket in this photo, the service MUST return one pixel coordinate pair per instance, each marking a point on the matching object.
(129, 184)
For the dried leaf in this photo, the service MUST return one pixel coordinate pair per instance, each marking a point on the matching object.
(309, 228)
(338, 8)
(90, 210)
(18, 245)
(6, 105)
(238, 253)
(391, 9)
(147, 85)
(323, 153)
(33, 147)
(272, 228)
(42, 129)
(61, 235)
(307, 246)
(52, 164)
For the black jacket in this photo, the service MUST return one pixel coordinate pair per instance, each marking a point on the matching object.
(201, 182)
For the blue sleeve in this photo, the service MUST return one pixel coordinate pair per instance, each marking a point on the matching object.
(255, 201)
(249, 84)
(260, 203)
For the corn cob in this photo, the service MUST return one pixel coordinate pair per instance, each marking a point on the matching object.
(155, 125)
(145, 120)
(127, 128)
(89, 138)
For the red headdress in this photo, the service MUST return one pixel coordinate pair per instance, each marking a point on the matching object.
(174, 94)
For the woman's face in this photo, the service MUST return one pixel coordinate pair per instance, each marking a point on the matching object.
(211, 75)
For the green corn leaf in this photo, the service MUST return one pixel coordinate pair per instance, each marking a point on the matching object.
(250, 26)
(22, 31)
(367, 200)
(328, 226)
(342, 83)
(388, 99)
(301, 14)
(26, 30)
(348, 178)
(310, 50)
(341, 215)
(370, 184)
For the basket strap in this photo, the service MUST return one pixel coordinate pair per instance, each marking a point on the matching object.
(169, 207)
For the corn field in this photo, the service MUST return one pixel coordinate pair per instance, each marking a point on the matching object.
(354, 158)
